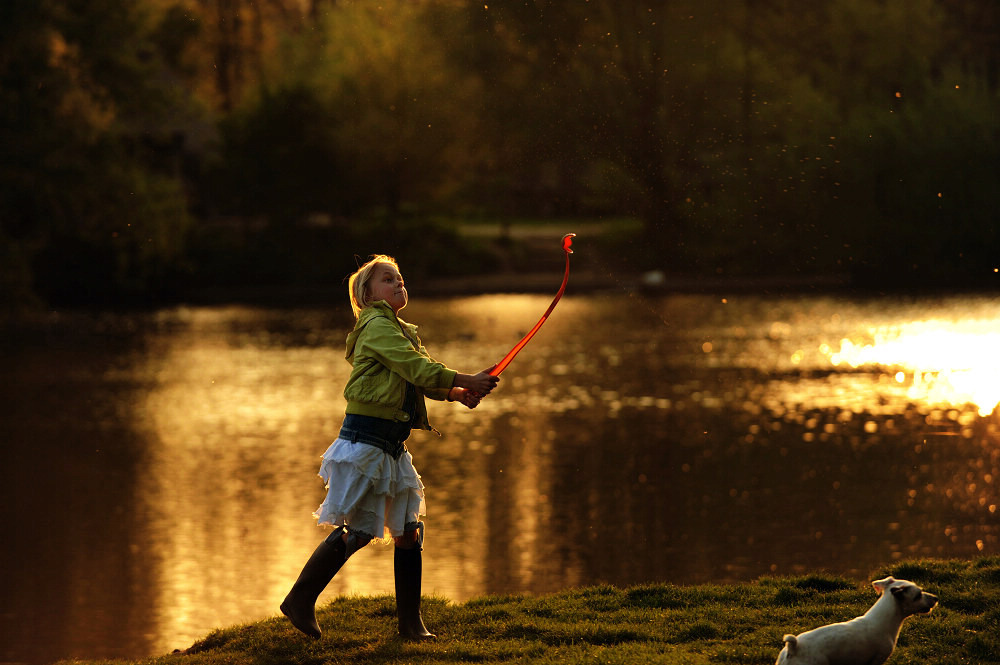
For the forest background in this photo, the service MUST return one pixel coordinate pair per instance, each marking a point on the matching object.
(155, 149)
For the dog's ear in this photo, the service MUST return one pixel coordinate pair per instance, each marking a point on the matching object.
(882, 585)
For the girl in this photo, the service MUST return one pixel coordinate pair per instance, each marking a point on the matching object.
(373, 491)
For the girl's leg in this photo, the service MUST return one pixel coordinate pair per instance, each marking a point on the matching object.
(408, 567)
(300, 603)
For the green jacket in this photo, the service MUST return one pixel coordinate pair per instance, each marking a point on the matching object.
(386, 353)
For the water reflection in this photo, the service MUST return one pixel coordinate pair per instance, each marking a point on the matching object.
(939, 361)
(679, 439)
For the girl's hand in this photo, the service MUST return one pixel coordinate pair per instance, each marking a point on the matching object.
(466, 397)
(481, 383)
(471, 399)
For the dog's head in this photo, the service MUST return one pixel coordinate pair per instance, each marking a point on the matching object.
(911, 598)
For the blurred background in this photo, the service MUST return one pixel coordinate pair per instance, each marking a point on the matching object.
(156, 150)
(776, 355)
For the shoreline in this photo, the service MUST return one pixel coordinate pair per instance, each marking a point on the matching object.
(582, 282)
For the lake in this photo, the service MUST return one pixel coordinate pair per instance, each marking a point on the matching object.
(159, 469)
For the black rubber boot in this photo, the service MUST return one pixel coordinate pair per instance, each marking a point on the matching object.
(408, 566)
(300, 603)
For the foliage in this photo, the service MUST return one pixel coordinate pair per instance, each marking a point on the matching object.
(403, 116)
(657, 623)
(278, 160)
(89, 201)
(751, 138)
(738, 129)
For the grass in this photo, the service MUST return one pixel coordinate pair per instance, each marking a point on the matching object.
(649, 624)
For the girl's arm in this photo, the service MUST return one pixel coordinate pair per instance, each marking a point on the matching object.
(386, 342)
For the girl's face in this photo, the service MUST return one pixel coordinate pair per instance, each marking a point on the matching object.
(387, 284)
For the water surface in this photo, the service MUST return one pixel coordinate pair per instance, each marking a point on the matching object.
(159, 470)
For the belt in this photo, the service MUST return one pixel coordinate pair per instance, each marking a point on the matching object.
(393, 448)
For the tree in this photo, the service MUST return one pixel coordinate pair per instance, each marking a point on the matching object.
(753, 135)
(399, 110)
(642, 91)
(90, 202)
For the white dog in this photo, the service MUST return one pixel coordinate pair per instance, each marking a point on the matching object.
(867, 640)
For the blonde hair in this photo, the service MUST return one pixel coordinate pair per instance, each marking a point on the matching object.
(357, 283)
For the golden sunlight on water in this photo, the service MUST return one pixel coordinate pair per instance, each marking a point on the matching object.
(939, 361)
(240, 417)
(215, 484)
(681, 438)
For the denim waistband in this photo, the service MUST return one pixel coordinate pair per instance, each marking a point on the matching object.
(394, 449)
(390, 430)
(379, 432)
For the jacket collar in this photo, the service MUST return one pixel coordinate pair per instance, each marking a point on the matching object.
(377, 308)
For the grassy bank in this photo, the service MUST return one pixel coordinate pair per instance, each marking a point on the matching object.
(739, 623)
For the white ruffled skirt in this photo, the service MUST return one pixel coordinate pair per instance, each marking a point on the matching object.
(369, 491)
